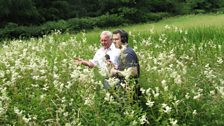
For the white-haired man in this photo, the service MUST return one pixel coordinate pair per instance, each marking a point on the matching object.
(108, 50)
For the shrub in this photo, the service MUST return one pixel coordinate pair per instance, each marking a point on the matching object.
(110, 20)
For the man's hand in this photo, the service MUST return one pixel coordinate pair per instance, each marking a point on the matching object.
(78, 60)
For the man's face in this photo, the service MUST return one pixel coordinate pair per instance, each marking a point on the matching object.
(117, 40)
(105, 41)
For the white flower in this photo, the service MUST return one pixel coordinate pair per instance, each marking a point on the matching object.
(173, 122)
(194, 112)
(220, 90)
(108, 97)
(2, 74)
(26, 120)
(112, 81)
(17, 111)
(144, 120)
(220, 60)
(197, 96)
(163, 82)
(167, 27)
(212, 92)
(187, 96)
(150, 103)
(75, 74)
(177, 79)
(148, 91)
(68, 124)
(142, 90)
(88, 101)
(42, 97)
(166, 108)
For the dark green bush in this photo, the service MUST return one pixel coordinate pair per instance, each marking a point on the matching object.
(12, 30)
(110, 20)
(77, 24)
(155, 16)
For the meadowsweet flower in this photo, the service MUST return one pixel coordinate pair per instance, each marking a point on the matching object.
(75, 74)
(173, 122)
(42, 97)
(150, 103)
(156, 93)
(164, 85)
(127, 73)
(88, 101)
(143, 120)
(221, 81)
(212, 92)
(123, 85)
(108, 97)
(55, 76)
(220, 60)
(147, 92)
(2, 74)
(142, 90)
(129, 114)
(194, 112)
(197, 96)
(17, 111)
(112, 81)
(167, 27)
(68, 124)
(26, 120)
(177, 79)
(166, 108)
(176, 103)
(220, 90)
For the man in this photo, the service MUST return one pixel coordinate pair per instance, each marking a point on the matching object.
(129, 67)
(129, 64)
(108, 49)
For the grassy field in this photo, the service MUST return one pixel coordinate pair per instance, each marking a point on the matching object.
(184, 22)
(182, 78)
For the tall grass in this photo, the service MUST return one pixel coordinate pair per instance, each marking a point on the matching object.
(182, 80)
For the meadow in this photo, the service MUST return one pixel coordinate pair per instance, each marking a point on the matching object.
(182, 77)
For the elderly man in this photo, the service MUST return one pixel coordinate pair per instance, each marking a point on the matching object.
(108, 50)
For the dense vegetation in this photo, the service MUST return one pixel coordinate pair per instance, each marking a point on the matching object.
(182, 78)
(26, 18)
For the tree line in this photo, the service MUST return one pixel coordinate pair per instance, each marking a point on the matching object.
(35, 12)
(17, 16)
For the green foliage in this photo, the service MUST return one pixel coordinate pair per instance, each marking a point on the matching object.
(12, 30)
(36, 12)
(181, 78)
(110, 20)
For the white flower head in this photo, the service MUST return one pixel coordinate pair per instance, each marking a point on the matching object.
(166, 108)
(173, 122)
(150, 103)
(143, 120)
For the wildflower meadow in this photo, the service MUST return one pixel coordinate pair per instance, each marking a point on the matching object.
(182, 81)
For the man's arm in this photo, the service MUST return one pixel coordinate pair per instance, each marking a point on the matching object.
(84, 62)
